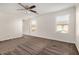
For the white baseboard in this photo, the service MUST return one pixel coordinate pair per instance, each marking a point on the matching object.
(7, 37)
(49, 38)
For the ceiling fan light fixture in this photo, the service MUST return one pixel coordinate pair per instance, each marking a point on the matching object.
(29, 8)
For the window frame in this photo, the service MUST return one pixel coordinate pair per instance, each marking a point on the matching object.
(68, 20)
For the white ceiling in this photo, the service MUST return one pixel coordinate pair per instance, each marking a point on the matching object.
(10, 9)
(51, 7)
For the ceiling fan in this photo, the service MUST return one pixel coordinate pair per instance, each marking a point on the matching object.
(27, 8)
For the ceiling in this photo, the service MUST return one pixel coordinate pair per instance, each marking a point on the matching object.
(10, 9)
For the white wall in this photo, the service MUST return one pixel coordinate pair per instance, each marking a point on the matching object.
(46, 26)
(77, 27)
(9, 28)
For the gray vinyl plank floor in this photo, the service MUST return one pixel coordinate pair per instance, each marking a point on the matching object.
(29, 45)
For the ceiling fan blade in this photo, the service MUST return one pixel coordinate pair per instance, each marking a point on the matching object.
(33, 11)
(32, 7)
(21, 9)
(22, 5)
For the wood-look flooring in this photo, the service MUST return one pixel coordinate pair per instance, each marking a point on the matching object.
(29, 45)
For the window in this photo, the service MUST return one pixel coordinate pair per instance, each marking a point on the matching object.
(62, 23)
(33, 25)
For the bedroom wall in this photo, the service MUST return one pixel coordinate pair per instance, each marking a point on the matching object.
(46, 26)
(77, 27)
(9, 28)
